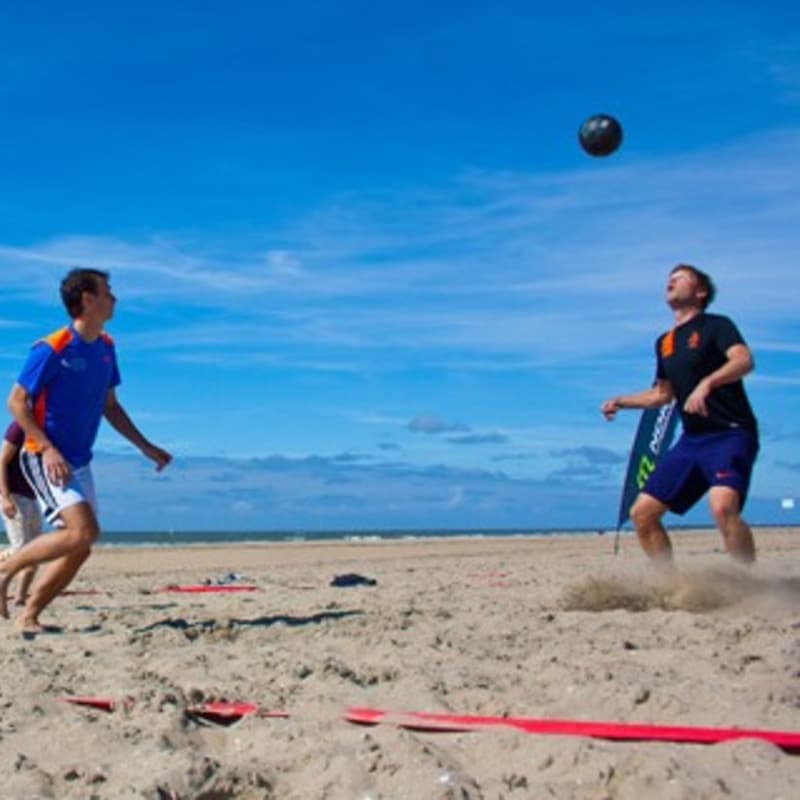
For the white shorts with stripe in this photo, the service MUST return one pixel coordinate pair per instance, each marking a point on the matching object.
(53, 499)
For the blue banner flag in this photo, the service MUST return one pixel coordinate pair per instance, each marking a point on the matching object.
(653, 437)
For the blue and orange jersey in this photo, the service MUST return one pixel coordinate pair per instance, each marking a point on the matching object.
(68, 380)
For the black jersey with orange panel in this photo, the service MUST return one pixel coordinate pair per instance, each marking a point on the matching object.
(691, 351)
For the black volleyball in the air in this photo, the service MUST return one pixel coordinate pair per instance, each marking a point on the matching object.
(600, 135)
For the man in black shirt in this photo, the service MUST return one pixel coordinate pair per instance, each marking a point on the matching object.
(701, 363)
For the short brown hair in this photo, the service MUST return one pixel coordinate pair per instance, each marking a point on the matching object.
(76, 282)
(703, 279)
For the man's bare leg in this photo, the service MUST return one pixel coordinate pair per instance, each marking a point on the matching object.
(24, 585)
(57, 575)
(646, 516)
(736, 533)
(76, 538)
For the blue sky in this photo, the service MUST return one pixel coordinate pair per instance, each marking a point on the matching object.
(367, 278)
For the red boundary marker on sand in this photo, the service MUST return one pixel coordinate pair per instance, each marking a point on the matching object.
(215, 711)
(101, 703)
(422, 721)
(225, 713)
(204, 588)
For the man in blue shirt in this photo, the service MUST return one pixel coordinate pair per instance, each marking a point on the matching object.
(67, 385)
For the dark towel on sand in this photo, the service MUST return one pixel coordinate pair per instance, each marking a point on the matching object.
(353, 579)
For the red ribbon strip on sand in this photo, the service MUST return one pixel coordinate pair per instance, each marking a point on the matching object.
(100, 703)
(422, 721)
(225, 713)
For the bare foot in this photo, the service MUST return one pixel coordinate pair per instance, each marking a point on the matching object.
(28, 626)
(4, 579)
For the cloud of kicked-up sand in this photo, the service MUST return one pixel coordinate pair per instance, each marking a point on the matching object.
(696, 591)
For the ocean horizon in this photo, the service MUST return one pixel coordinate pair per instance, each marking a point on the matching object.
(188, 538)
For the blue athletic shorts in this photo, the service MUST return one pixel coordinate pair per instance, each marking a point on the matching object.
(699, 461)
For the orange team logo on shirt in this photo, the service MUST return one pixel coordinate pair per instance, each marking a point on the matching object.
(668, 344)
(694, 340)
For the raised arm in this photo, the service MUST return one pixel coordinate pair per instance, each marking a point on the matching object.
(657, 395)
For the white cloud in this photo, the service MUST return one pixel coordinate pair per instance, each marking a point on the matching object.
(562, 259)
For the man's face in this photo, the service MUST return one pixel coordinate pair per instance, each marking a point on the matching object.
(683, 289)
(100, 306)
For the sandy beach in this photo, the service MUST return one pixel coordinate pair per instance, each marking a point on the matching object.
(553, 628)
